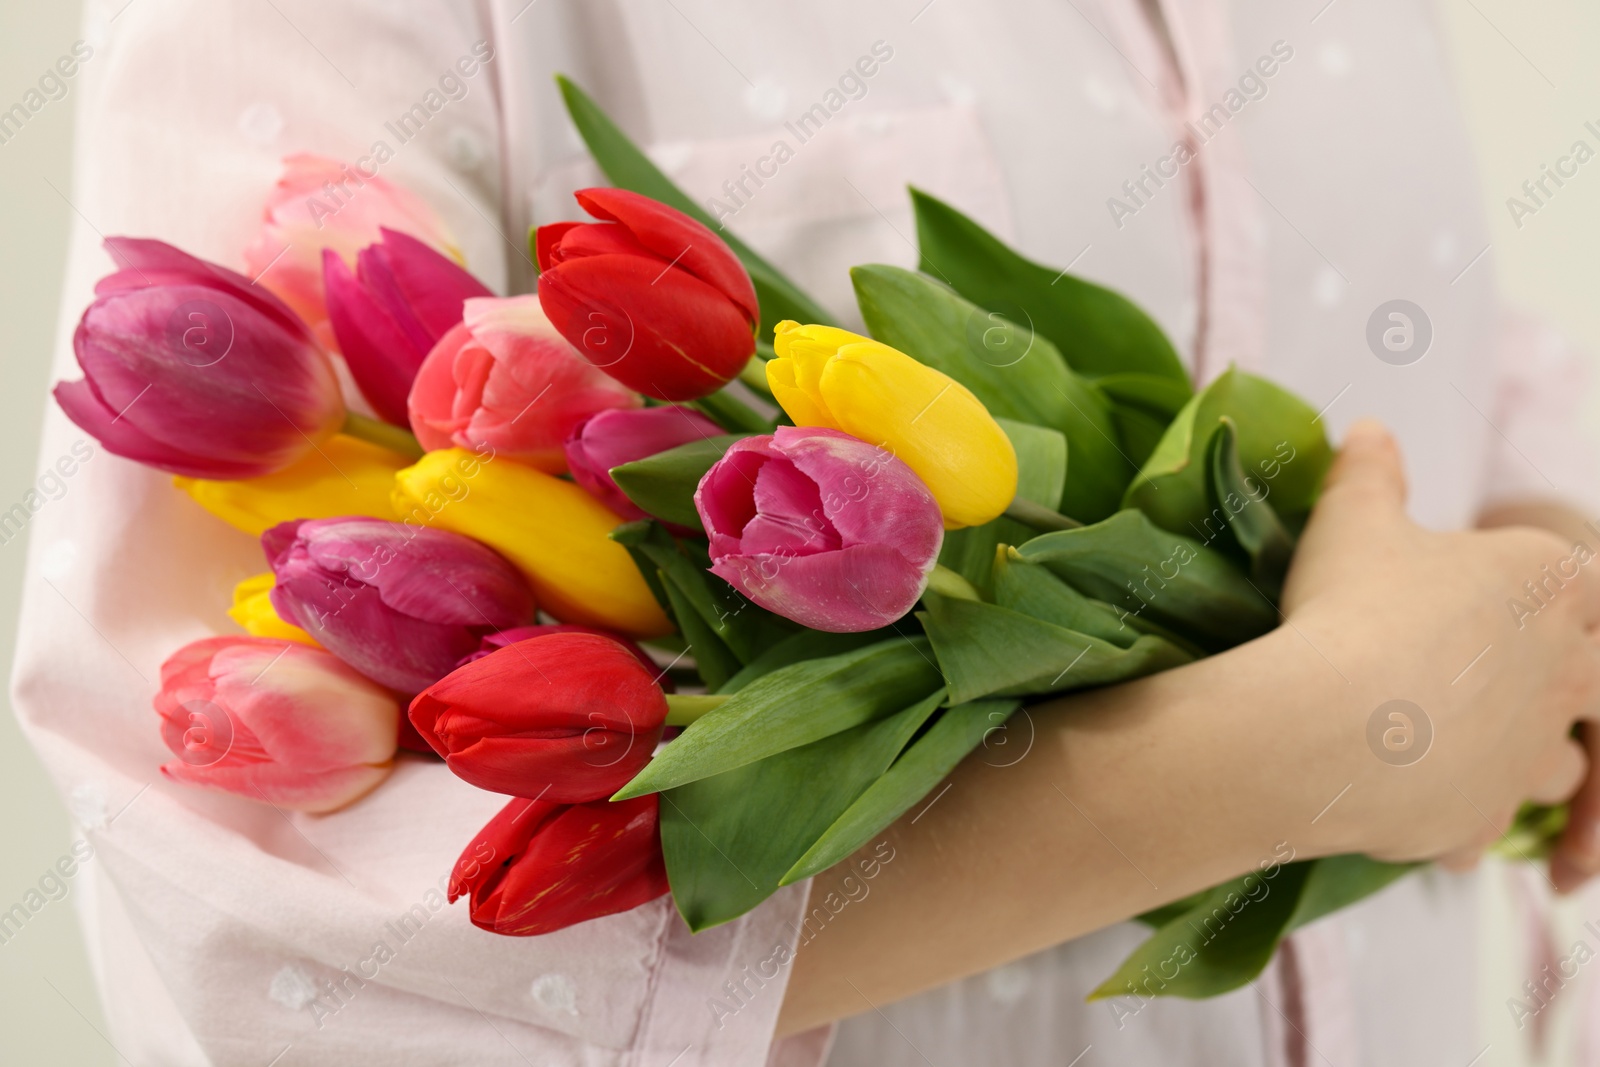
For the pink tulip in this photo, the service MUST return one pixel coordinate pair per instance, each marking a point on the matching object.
(613, 438)
(387, 315)
(820, 527)
(190, 368)
(505, 379)
(322, 203)
(276, 721)
(401, 604)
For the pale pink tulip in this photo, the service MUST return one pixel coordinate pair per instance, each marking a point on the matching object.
(507, 380)
(276, 721)
(322, 203)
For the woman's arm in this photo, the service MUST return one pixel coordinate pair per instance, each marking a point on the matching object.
(1137, 795)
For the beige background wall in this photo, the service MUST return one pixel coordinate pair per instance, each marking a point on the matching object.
(1528, 83)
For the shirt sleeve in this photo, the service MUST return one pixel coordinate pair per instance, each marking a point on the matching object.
(1541, 448)
(223, 931)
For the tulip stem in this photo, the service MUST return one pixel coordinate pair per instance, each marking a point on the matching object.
(683, 709)
(394, 438)
(946, 582)
(1039, 517)
(754, 376)
(732, 414)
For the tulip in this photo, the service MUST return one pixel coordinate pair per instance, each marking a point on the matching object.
(274, 721)
(252, 609)
(539, 867)
(552, 531)
(650, 296)
(613, 438)
(387, 314)
(189, 368)
(820, 527)
(345, 476)
(568, 717)
(506, 380)
(503, 638)
(322, 203)
(824, 376)
(401, 604)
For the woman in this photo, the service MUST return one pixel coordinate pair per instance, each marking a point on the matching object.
(1267, 182)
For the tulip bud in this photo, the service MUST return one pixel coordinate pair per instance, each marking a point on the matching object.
(401, 604)
(506, 380)
(825, 376)
(557, 535)
(821, 528)
(346, 476)
(568, 717)
(650, 296)
(613, 438)
(402, 297)
(539, 867)
(274, 721)
(252, 609)
(189, 368)
(322, 203)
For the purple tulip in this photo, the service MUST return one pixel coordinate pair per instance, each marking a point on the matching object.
(190, 368)
(401, 604)
(821, 527)
(613, 438)
(388, 315)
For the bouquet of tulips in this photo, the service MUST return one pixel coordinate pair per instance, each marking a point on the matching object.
(713, 589)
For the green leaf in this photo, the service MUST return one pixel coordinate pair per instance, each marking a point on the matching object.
(1144, 405)
(1336, 882)
(1021, 377)
(712, 657)
(793, 706)
(1280, 444)
(664, 484)
(922, 766)
(805, 645)
(1132, 564)
(1220, 943)
(729, 839)
(1041, 470)
(985, 650)
(1032, 589)
(1100, 332)
(626, 166)
(1255, 526)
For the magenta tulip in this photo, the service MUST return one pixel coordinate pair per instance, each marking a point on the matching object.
(189, 368)
(506, 380)
(402, 604)
(613, 438)
(821, 527)
(649, 295)
(275, 721)
(390, 312)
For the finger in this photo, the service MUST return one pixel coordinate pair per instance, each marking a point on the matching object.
(1577, 853)
(1368, 467)
(1565, 772)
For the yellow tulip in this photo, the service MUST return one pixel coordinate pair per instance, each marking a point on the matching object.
(346, 476)
(253, 611)
(550, 530)
(824, 376)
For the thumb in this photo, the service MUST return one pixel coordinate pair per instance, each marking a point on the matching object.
(1367, 472)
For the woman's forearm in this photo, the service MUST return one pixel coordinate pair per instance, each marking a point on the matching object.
(1095, 808)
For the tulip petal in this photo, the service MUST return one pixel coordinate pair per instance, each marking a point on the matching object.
(676, 237)
(851, 590)
(789, 514)
(146, 262)
(382, 357)
(433, 286)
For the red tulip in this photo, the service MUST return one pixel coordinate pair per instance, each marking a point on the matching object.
(390, 312)
(568, 717)
(494, 642)
(650, 296)
(538, 867)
